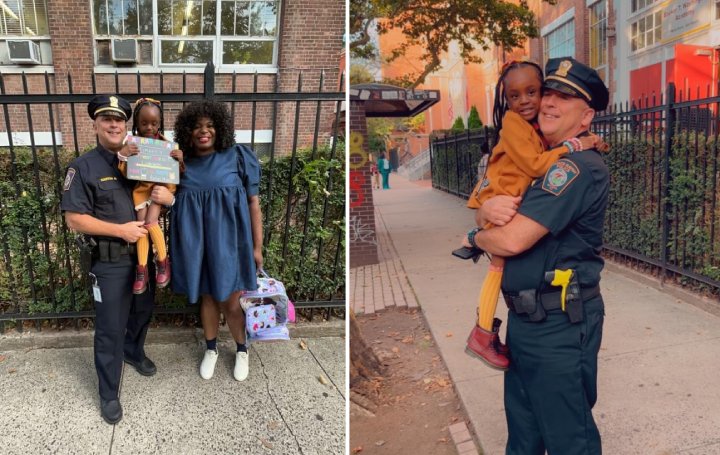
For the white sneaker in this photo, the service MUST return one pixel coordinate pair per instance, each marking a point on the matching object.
(242, 366)
(207, 366)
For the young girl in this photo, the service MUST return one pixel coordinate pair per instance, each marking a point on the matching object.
(517, 159)
(216, 226)
(148, 122)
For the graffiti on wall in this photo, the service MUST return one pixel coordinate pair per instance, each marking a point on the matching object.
(361, 232)
(357, 159)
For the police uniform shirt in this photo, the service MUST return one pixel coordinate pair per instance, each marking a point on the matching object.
(570, 202)
(94, 186)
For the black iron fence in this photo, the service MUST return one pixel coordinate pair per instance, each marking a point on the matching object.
(663, 214)
(302, 194)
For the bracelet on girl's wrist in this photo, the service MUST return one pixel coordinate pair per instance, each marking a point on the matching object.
(122, 157)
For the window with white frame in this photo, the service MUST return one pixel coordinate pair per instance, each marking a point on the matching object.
(24, 35)
(598, 38)
(190, 32)
(637, 5)
(560, 42)
(646, 31)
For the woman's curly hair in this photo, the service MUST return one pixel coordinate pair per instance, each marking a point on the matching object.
(188, 118)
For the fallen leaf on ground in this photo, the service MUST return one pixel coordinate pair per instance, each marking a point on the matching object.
(273, 425)
(427, 337)
(2, 358)
(379, 443)
(357, 449)
(266, 443)
(322, 380)
(395, 350)
(449, 334)
(407, 339)
(303, 345)
(445, 440)
(12, 370)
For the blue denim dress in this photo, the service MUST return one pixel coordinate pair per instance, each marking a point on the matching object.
(211, 242)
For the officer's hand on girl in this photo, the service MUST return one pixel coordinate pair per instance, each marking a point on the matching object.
(498, 210)
(132, 231)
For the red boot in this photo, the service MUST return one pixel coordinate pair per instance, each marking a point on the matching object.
(501, 347)
(162, 273)
(141, 280)
(483, 345)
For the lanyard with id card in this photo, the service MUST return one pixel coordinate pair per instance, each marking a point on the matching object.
(96, 289)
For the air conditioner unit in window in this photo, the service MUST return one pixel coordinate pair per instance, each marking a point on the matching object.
(24, 51)
(124, 50)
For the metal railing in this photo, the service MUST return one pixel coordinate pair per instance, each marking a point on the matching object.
(663, 214)
(40, 277)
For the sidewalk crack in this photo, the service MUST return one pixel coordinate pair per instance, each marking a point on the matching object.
(326, 373)
(272, 398)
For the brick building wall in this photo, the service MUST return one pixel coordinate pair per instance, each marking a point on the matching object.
(547, 14)
(310, 41)
(363, 239)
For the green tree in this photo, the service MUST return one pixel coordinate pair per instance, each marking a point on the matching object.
(474, 121)
(360, 74)
(458, 126)
(430, 25)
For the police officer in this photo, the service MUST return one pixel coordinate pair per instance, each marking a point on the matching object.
(551, 385)
(97, 201)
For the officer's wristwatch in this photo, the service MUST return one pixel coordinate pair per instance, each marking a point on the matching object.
(471, 237)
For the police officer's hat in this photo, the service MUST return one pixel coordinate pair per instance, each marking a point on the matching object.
(567, 75)
(112, 105)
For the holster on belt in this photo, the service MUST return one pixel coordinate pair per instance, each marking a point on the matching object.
(85, 244)
(527, 302)
(573, 301)
(104, 250)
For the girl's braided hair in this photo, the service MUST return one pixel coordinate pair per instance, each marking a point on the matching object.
(501, 106)
(213, 110)
(139, 104)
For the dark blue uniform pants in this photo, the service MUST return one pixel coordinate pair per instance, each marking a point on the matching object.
(551, 385)
(121, 321)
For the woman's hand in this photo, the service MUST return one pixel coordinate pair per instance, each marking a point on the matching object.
(161, 195)
(177, 154)
(498, 210)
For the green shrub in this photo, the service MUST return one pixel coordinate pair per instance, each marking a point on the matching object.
(458, 126)
(474, 121)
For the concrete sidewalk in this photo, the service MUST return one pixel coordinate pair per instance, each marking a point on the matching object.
(293, 401)
(658, 368)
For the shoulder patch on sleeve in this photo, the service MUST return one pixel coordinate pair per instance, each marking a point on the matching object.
(560, 176)
(69, 178)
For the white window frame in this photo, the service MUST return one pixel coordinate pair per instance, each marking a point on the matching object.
(639, 5)
(601, 25)
(652, 32)
(562, 21)
(217, 40)
(42, 40)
